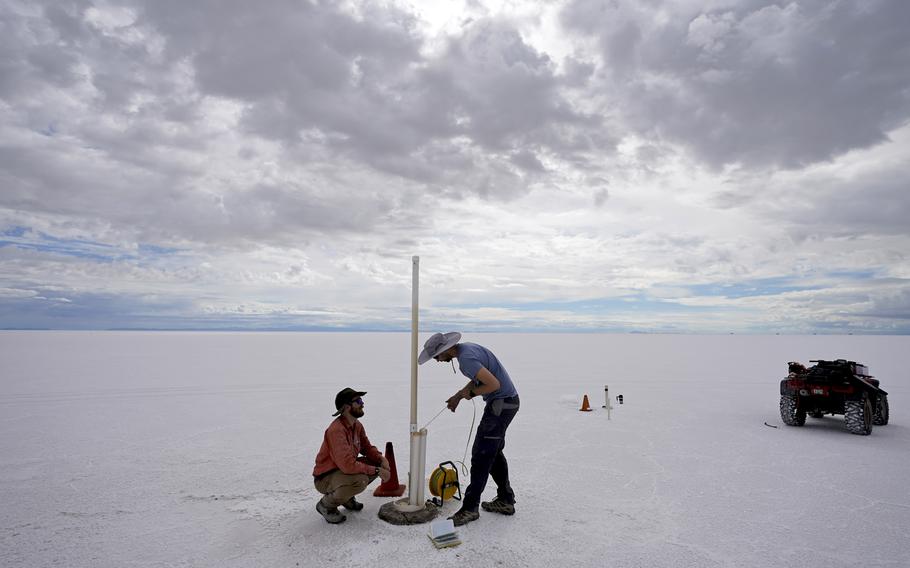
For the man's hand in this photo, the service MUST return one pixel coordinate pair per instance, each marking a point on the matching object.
(384, 463)
(453, 401)
(384, 472)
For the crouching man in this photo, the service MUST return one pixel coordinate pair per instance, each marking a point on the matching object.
(341, 472)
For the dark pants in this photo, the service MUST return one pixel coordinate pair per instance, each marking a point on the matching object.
(487, 458)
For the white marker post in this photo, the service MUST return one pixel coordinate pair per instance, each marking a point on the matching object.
(607, 404)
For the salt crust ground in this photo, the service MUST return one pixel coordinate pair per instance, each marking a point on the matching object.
(195, 449)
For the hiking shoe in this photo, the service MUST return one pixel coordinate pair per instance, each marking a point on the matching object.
(330, 514)
(463, 517)
(499, 506)
(352, 505)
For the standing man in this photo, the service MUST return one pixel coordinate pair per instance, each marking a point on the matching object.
(340, 472)
(489, 379)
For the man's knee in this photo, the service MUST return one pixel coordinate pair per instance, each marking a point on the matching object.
(487, 448)
(361, 481)
(354, 484)
(348, 483)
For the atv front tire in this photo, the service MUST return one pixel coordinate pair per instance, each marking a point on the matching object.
(790, 412)
(880, 414)
(858, 415)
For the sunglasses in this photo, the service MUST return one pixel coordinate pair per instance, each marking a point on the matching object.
(357, 401)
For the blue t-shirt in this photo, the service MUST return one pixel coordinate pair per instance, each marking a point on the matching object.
(471, 357)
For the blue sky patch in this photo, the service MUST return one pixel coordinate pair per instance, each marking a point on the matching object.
(853, 274)
(750, 288)
(639, 302)
(24, 238)
(14, 232)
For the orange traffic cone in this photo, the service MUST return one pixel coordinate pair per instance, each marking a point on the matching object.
(390, 488)
(585, 407)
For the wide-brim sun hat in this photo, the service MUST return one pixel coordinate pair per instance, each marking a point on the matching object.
(345, 396)
(436, 344)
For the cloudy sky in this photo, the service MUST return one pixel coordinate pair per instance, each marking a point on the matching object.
(707, 166)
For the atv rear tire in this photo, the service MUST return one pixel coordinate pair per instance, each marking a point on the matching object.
(790, 412)
(858, 415)
(880, 414)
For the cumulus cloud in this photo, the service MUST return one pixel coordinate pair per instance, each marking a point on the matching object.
(757, 84)
(359, 84)
(282, 160)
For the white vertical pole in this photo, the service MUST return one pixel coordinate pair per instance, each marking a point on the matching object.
(607, 404)
(418, 441)
(415, 501)
(415, 271)
(416, 494)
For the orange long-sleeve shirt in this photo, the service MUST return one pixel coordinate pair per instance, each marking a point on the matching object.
(341, 446)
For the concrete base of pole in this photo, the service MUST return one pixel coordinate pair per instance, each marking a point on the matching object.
(401, 513)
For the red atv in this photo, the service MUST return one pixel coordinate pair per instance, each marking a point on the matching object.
(833, 387)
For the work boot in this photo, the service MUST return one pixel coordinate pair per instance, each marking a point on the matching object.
(330, 514)
(499, 506)
(352, 504)
(464, 516)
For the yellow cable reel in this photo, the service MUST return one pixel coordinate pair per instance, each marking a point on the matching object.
(444, 481)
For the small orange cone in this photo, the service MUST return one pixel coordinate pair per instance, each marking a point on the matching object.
(390, 488)
(585, 407)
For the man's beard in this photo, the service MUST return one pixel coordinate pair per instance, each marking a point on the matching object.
(356, 412)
